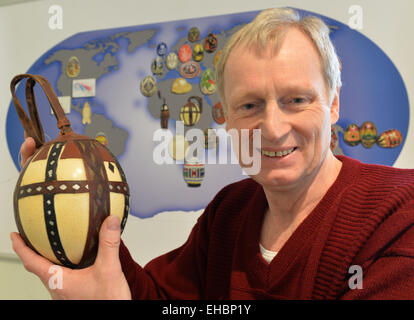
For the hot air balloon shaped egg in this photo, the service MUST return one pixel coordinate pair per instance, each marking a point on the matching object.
(67, 189)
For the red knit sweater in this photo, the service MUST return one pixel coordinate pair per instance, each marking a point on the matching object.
(366, 218)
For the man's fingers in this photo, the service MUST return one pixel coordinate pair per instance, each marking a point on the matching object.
(109, 241)
(31, 260)
(27, 150)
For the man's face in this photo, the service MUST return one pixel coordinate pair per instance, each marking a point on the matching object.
(285, 96)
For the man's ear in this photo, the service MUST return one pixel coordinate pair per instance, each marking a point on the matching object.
(335, 107)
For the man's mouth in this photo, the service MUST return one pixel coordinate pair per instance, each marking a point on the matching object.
(277, 154)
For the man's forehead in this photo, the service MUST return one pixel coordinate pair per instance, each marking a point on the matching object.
(289, 39)
(295, 49)
(294, 66)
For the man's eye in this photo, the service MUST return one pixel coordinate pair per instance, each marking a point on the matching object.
(297, 100)
(248, 106)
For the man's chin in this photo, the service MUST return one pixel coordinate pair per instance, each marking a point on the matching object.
(278, 180)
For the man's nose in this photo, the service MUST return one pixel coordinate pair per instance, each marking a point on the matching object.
(274, 124)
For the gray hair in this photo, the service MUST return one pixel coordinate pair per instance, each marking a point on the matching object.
(269, 26)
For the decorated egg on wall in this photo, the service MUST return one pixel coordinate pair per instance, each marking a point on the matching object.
(193, 172)
(211, 139)
(73, 67)
(218, 113)
(101, 137)
(164, 116)
(161, 49)
(157, 66)
(193, 34)
(171, 61)
(368, 134)
(185, 53)
(210, 42)
(178, 147)
(198, 52)
(148, 86)
(190, 113)
(352, 135)
(216, 58)
(334, 138)
(190, 69)
(66, 190)
(390, 139)
(208, 82)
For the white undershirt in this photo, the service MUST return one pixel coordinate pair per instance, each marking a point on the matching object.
(267, 254)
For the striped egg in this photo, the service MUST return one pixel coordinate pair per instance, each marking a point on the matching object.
(62, 196)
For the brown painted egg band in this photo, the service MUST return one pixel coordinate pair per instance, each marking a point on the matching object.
(99, 206)
(127, 194)
(69, 186)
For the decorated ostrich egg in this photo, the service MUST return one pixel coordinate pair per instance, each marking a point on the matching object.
(67, 189)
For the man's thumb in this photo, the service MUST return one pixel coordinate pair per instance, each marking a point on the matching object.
(109, 240)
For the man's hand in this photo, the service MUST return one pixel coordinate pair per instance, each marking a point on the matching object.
(103, 280)
(27, 150)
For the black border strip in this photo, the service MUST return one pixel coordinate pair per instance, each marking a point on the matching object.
(49, 208)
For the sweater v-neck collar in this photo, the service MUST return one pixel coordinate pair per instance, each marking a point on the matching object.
(270, 273)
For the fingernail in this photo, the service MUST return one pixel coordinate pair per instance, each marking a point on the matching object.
(114, 223)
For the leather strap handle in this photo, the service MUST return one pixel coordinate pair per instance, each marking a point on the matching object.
(199, 101)
(32, 125)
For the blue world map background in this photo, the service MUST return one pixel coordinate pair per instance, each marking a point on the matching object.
(119, 59)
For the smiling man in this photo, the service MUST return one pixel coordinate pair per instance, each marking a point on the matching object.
(299, 228)
(278, 85)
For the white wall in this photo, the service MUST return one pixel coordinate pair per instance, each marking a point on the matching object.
(25, 36)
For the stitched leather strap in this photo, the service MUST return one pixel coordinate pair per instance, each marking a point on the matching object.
(32, 125)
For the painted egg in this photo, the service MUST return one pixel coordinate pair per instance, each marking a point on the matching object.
(148, 86)
(65, 192)
(218, 113)
(171, 61)
(161, 49)
(368, 134)
(216, 58)
(352, 135)
(193, 172)
(334, 139)
(390, 139)
(198, 52)
(178, 147)
(164, 116)
(211, 139)
(157, 65)
(190, 69)
(208, 82)
(210, 42)
(193, 34)
(191, 112)
(73, 67)
(185, 53)
(101, 137)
